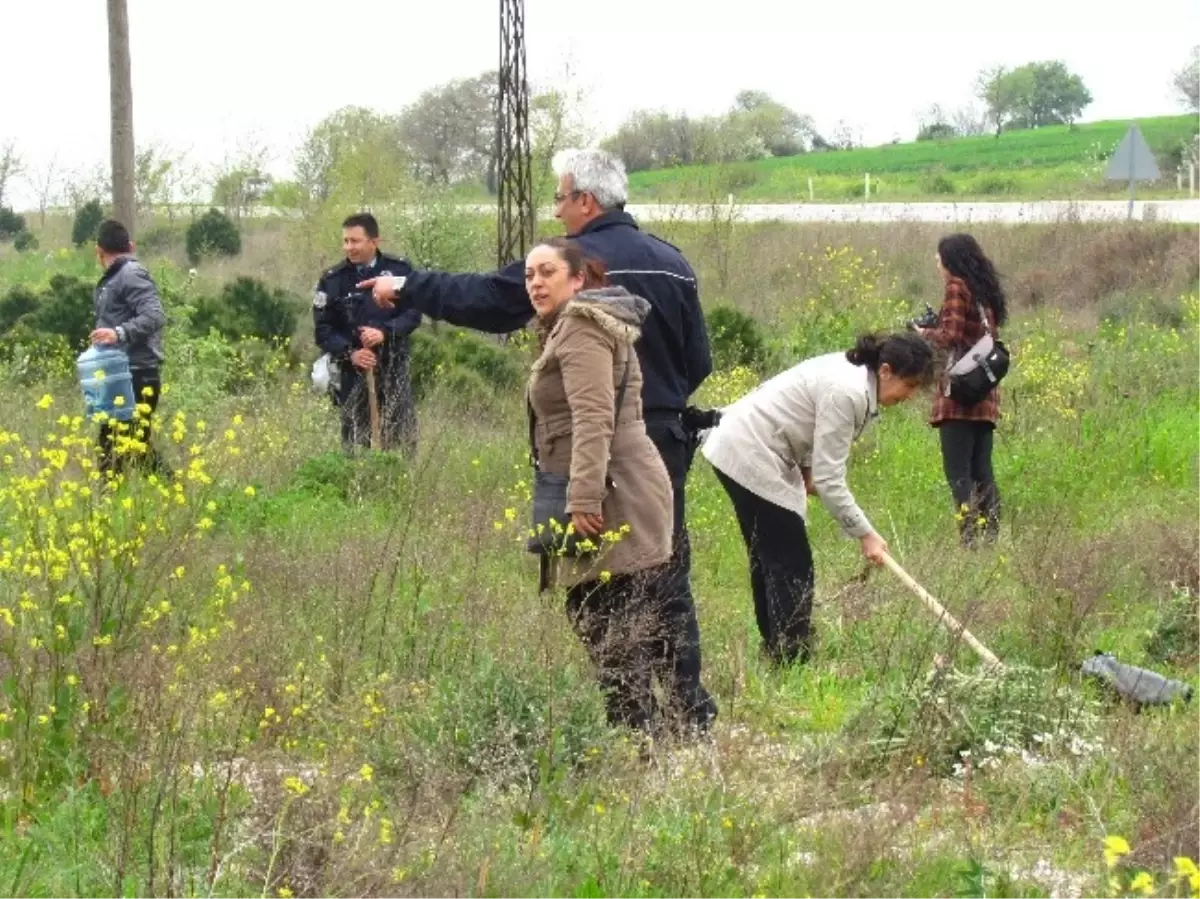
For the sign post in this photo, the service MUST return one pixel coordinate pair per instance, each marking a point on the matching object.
(1132, 161)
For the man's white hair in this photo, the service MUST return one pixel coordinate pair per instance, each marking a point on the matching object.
(595, 172)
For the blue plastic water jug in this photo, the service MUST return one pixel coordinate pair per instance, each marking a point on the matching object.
(106, 382)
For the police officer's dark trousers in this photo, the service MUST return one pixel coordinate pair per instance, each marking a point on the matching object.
(393, 390)
(674, 445)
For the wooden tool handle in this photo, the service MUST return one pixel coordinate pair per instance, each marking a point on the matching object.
(373, 402)
(947, 620)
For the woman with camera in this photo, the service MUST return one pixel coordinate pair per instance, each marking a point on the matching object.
(790, 439)
(604, 477)
(974, 305)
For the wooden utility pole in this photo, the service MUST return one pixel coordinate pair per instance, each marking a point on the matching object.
(120, 87)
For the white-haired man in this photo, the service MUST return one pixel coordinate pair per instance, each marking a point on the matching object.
(673, 350)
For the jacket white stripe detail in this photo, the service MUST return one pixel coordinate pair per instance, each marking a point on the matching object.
(632, 271)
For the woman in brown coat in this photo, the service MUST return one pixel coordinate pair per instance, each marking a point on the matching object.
(620, 493)
(973, 291)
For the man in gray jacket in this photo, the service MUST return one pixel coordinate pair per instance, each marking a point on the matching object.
(130, 316)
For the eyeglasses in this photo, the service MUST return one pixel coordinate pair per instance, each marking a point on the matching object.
(561, 198)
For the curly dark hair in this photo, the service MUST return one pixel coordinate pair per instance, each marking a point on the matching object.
(962, 257)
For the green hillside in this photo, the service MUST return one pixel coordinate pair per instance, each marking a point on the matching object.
(1047, 163)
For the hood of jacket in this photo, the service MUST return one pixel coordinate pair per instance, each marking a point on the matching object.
(616, 310)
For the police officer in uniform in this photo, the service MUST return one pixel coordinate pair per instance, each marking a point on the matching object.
(359, 336)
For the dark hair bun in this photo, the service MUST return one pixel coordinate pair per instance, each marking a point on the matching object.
(866, 351)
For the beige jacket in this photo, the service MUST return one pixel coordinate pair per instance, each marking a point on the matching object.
(806, 417)
(573, 389)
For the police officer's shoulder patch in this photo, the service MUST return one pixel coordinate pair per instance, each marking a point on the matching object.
(319, 299)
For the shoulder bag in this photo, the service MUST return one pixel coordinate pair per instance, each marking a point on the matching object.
(980, 369)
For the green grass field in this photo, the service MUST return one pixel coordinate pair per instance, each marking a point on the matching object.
(1047, 163)
(291, 673)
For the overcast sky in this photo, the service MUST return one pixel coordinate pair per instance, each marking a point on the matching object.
(209, 75)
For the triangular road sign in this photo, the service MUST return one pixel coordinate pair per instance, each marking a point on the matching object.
(1132, 160)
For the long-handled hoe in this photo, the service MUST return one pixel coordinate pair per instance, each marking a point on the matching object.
(944, 618)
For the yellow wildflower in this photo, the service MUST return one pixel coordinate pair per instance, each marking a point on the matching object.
(1114, 848)
(1143, 884)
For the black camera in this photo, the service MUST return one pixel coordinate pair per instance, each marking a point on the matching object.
(927, 319)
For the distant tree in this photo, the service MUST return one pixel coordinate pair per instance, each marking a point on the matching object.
(11, 224)
(213, 234)
(242, 180)
(1033, 96)
(450, 131)
(237, 190)
(1187, 82)
(11, 166)
(354, 154)
(285, 195)
(152, 178)
(87, 223)
(938, 123)
(755, 127)
(969, 120)
(85, 185)
(45, 182)
(782, 131)
(934, 124)
(556, 121)
(652, 139)
(844, 136)
(936, 131)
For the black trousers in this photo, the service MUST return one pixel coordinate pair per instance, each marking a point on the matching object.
(147, 388)
(397, 411)
(967, 462)
(781, 572)
(632, 627)
(677, 449)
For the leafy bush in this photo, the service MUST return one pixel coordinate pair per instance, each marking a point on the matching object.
(247, 307)
(18, 302)
(437, 233)
(936, 131)
(25, 241)
(213, 234)
(939, 184)
(63, 308)
(29, 352)
(736, 339)
(11, 224)
(995, 184)
(464, 359)
(159, 239)
(87, 223)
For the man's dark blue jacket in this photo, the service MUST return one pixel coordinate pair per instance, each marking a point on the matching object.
(340, 308)
(673, 349)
